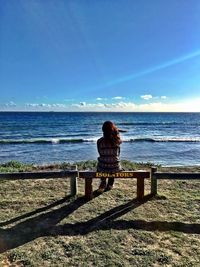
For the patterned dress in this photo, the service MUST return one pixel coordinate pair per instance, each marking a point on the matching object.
(108, 160)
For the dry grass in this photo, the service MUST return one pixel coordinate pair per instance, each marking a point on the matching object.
(41, 226)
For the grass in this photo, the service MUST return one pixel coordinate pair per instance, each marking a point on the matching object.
(16, 166)
(41, 226)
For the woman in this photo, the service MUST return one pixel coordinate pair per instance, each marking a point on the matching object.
(108, 147)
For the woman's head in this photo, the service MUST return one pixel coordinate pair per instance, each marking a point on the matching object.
(111, 133)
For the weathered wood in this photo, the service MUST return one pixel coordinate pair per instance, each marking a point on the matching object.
(177, 176)
(123, 174)
(140, 188)
(73, 182)
(88, 189)
(37, 175)
(89, 175)
(153, 181)
(140, 175)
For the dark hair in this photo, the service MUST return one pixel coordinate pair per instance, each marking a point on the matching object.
(111, 133)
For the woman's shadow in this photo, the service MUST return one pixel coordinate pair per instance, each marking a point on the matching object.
(45, 224)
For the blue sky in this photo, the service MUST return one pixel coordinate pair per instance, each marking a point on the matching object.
(108, 55)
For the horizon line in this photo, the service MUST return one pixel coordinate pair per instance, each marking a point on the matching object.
(88, 111)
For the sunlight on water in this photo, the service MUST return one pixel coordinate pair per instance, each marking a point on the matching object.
(161, 138)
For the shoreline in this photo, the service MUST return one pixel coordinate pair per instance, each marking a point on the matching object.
(17, 166)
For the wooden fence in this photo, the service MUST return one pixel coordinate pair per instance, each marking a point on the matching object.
(87, 175)
(155, 176)
(73, 174)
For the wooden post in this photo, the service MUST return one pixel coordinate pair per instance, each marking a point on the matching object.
(153, 181)
(140, 188)
(73, 183)
(88, 188)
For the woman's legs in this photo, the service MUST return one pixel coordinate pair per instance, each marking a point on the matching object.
(102, 185)
(111, 181)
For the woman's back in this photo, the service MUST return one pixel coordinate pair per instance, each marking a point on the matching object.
(108, 159)
(108, 147)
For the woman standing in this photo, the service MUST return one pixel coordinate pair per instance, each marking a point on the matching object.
(109, 150)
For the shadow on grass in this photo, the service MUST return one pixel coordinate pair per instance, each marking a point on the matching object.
(29, 214)
(46, 224)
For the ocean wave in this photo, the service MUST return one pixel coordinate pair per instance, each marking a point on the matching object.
(41, 141)
(53, 140)
(164, 139)
(94, 139)
(156, 123)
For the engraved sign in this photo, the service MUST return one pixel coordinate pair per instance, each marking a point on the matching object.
(114, 175)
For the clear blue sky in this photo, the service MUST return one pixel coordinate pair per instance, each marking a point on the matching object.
(100, 55)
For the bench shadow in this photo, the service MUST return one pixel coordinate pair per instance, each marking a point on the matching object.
(39, 210)
(35, 227)
(46, 224)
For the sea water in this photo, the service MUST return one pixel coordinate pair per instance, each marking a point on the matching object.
(169, 139)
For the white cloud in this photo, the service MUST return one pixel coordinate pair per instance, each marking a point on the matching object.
(10, 104)
(121, 106)
(118, 97)
(59, 105)
(163, 97)
(101, 99)
(31, 105)
(82, 103)
(38, 105)
(45, 106)
(189, 105)
(146, 97)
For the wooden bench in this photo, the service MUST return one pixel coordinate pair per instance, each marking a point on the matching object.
(90, 175)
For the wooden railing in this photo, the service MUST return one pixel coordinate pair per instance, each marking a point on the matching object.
(73, 174)
(155, 176)
(87, 175)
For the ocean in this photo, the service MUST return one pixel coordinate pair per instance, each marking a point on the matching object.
(169, 139)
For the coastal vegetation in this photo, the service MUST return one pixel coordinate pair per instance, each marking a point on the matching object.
(16, 166)
(40, 225)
